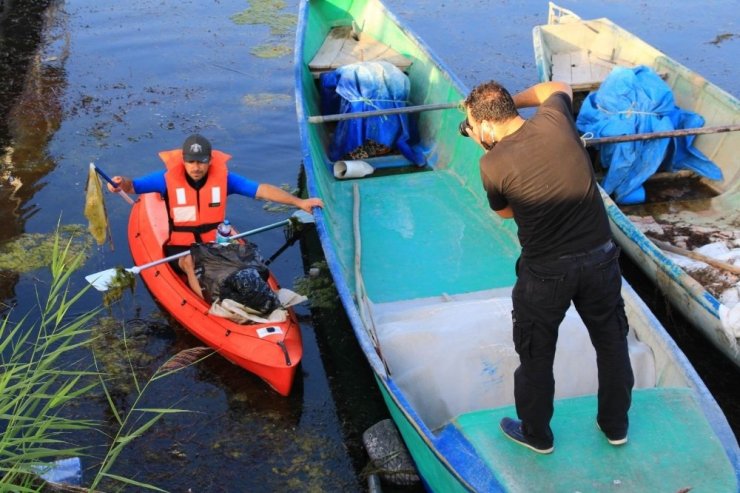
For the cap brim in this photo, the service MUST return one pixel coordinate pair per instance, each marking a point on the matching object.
(200, 159)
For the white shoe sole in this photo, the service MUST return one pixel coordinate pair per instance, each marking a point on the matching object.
(617, 442)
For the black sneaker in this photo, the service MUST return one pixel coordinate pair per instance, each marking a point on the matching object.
(614, 440)
(512, 428)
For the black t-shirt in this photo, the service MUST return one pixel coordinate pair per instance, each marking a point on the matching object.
(544, 173)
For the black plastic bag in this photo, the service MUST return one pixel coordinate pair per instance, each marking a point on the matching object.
(247, 287)
(214, 263)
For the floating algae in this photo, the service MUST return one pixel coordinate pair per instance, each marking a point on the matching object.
(31, 251)
(122, 281)
(267, 12)
(720, 38)
(121, 349)
(271, 50)
(318, 286)
(267, 99)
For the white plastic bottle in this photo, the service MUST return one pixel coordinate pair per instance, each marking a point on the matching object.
(223, 232)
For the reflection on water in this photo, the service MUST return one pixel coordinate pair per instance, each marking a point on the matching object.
(32, 54)
(35, 47)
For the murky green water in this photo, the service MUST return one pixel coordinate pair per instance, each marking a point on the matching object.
(116, 82)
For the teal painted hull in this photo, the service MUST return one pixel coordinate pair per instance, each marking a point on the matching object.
(420, 263)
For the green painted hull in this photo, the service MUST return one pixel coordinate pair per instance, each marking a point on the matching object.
(424, 240)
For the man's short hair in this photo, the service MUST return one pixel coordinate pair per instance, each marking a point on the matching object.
(491, 101)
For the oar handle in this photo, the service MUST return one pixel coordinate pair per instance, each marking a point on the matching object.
(660, 135)
(387, 111)
(107, 178)
(138, 268)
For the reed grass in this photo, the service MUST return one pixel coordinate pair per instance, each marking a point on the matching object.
(45, 370)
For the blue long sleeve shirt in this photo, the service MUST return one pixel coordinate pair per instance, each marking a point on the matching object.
(155, 182)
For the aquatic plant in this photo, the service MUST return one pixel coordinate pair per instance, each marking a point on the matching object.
(318, 286)
(267, 99)
(31, 251)
(36, 387)
(267, 12)
(43, 378)
(138, 420)
(271, 50)
(122, 281)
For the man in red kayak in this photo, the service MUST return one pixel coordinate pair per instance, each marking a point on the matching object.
(195, 184)
(538, 172)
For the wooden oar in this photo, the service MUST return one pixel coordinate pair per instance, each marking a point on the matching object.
(387, 111)
(696, 256)
(102, 280)
(660, 135)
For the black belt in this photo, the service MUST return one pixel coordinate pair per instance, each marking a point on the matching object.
(603, 248)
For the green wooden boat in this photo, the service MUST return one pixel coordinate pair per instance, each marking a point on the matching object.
(424, 270)
(583, 52)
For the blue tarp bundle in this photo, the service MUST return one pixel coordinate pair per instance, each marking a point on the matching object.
(368, 86)
(637, 100)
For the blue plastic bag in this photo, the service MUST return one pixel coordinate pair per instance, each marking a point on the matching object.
(637, 100)
(368, 86)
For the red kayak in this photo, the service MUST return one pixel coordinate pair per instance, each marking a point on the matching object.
(271, 351)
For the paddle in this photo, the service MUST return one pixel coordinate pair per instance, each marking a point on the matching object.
(102, 280)
(387, 111)
(659, 135)
(123, 194)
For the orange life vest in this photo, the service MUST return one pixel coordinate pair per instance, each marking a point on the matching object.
(195, 214)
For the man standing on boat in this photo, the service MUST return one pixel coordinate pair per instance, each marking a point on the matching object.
(193, 184)
(538, 172)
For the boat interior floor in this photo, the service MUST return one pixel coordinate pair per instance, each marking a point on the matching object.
(470, 249)
(714, 212)
(455, 356)
(671, 447)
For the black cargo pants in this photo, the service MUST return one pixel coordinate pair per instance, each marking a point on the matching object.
(541, 296)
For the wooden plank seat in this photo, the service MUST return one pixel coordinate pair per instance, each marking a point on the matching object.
(344, 45)
(585, 70)
(582, 70)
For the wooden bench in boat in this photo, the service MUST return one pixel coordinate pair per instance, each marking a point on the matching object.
(585, 70)
(671, 447)
(344, 45)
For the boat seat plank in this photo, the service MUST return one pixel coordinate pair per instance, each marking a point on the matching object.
(671, 448)
(343, 46)
(582, 70)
